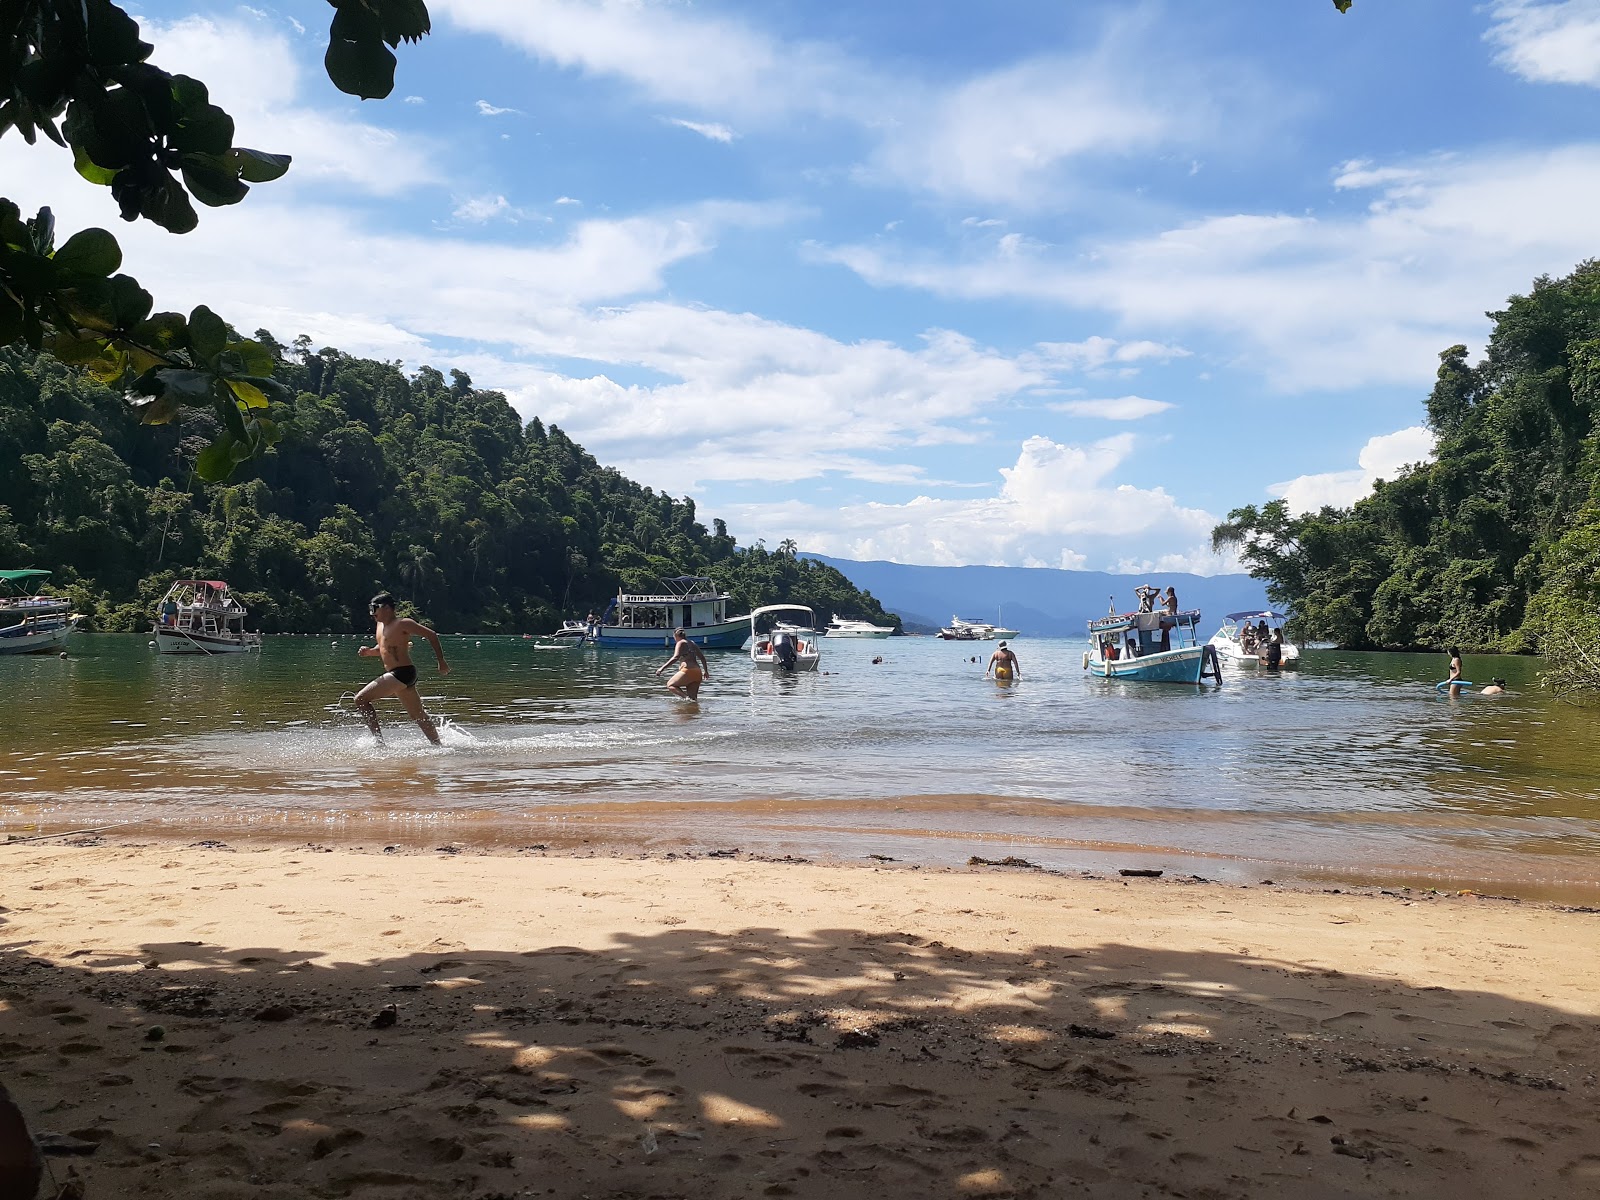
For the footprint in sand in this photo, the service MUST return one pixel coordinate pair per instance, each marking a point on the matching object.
(1348, 1020)
(1585, 1166)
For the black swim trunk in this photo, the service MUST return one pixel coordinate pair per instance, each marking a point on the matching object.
(405, 675)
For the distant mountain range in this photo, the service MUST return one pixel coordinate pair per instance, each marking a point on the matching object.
(1038, 601)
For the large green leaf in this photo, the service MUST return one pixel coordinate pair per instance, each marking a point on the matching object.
(163, 201)
(91, 252)
(364, 69)
(256, 166)
(247, 358)
(211, 181)
(248, 393)
(89, 170)
(163, 332)
(130, 301)
(201, 126)
(208, 333)
(215, 462)
(113, 36)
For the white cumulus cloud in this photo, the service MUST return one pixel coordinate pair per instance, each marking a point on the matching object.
(1381, 458)
(1122, 408)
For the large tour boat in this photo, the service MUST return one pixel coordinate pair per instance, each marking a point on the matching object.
(1160, 647)
(692, 603)
(962, 630)
(31, 622)
(200, 616)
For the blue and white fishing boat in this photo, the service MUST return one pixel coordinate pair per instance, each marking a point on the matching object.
(693, 603)
(1160, 647)
(32, 623)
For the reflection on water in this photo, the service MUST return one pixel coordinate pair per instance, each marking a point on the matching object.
(1352, 768)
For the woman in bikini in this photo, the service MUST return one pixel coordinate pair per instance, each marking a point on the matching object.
(692, 667)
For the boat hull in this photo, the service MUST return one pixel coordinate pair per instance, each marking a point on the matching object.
(805, 662)
(1170, 666)
(1229, 650)
(203, 644)
(728, 635)
(856, 633)
(34, 639)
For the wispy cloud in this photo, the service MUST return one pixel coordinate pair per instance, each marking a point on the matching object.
(478, 209)
(1548, 42)
(415, 100)
(1123, 408)
(489, 110)
(1311, 302)
(711, 131)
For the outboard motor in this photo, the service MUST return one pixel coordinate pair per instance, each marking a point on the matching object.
(783, 649)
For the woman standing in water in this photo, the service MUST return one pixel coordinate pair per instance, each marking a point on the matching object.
(692, 667)
(1455, 671)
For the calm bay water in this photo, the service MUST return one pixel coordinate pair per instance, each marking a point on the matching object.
(1351, 769)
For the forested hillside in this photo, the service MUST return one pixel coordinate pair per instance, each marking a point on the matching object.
(1494, 545)
(422, 484)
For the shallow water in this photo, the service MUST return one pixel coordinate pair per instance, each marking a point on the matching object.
(1350, 769)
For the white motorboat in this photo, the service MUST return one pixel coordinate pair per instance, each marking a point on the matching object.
(200, 616)
(786, 646)
(1246, 638)
(841, 627)
(963, 630)
(31, 623)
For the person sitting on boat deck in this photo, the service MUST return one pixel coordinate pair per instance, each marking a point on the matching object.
(1262, 632)
(1247, 640)
(1133, 646)
(394, 636)
(1495, 688)
(692, 667)
(1171, 602)
(1003, 662)
(1455, 671)
(1113, 651)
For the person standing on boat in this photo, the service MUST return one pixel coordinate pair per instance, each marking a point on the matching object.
(1171, 602)
(1455, 671)
(394, 636)
(1003, 662)
(692, 667)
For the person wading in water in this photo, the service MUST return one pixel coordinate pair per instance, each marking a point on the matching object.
(692, 667)
(394, 636)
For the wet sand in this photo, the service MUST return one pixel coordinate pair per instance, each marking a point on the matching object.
(263, 1021)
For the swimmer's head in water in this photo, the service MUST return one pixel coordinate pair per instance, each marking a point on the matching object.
(1499, 683)
(381, 601)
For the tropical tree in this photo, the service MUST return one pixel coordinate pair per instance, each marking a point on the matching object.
(77, 72)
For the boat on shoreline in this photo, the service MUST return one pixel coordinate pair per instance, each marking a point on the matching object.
(845, 628)
(200, 616)
(787, 646)
(646, 620)
(1241, 638)
(31, 622)
(1158, 647)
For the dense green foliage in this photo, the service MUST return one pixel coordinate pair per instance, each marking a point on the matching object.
(425, 485)
(1495, 544)
(78, 72)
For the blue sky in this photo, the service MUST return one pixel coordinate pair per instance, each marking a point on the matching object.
(1022, 283)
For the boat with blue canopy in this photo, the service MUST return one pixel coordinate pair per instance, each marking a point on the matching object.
(1157, 647)
(1247, 638)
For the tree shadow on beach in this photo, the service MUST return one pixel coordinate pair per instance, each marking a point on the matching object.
(684, 1062)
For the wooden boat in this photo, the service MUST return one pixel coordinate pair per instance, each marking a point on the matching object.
(1157, 647)
(30, 622)
(693, 603)
(787, 646)
(200, 616)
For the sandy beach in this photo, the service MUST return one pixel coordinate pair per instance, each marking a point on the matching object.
(263, 1021)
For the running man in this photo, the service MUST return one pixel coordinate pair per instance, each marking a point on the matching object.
(394, 636)
(1003, 662)
(692, 667)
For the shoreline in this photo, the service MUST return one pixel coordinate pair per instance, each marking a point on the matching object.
(798, 830)
(589, 1024)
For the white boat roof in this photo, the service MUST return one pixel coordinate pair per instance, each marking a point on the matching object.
(766, 608)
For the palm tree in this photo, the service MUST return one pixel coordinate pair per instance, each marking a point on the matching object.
(788, 548)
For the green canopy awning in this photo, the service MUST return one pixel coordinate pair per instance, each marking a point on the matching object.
(13, 576)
